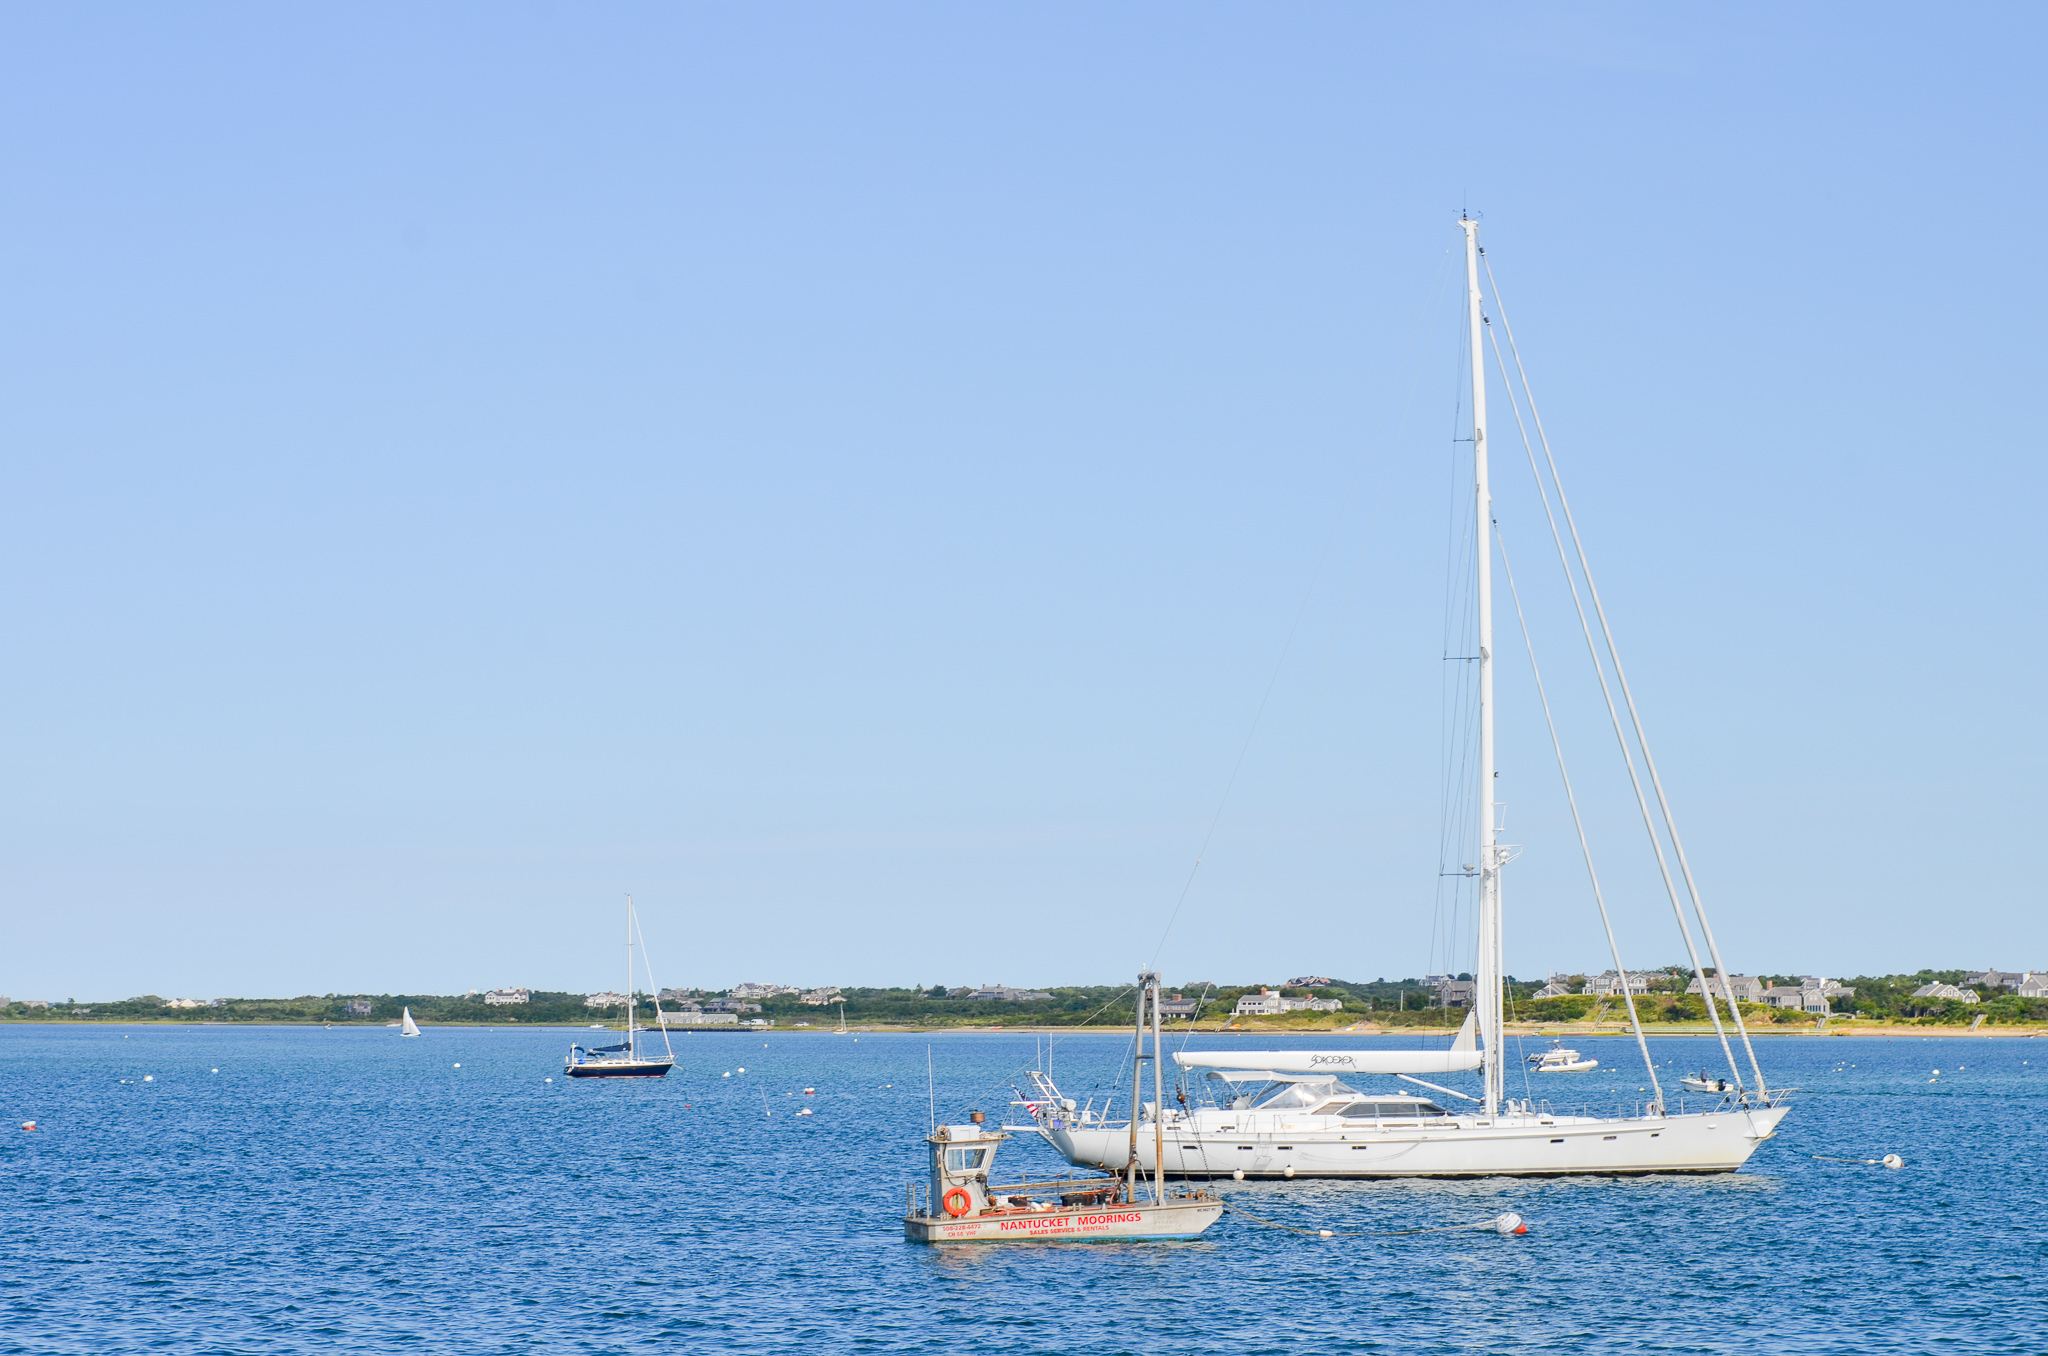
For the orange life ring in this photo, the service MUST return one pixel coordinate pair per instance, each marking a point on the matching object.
(966, 1202)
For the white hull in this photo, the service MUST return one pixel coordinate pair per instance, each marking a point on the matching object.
(1176, 1218)
(1510, 1145)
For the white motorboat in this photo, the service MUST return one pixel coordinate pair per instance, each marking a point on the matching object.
(630, 1058)
(1309, 1113)
(1557, 1059)
(1704, 1082)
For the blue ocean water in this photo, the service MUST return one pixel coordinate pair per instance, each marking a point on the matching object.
(348, 1190)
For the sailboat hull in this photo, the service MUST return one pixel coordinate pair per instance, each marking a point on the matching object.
(638, 1068)
(1510, 1146)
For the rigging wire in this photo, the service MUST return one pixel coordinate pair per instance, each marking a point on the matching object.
(1635, 718)
(1509, 1223)
(1585, 848)
(1457, 816)
(1614, 717)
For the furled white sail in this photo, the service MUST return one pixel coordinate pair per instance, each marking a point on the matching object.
(1463, 1054)
(406, 1025)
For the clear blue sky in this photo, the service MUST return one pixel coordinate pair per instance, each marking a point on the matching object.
(848, 474)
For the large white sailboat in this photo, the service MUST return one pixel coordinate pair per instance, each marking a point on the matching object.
(1304, 1114)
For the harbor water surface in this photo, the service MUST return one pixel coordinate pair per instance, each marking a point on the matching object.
(220, 1189)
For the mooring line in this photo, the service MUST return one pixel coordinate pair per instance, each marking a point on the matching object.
(1888, 1161)
(1509, 1223)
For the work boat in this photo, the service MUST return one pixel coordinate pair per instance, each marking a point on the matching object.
(1311, 1113)
(630, 1058)
(959, 1205)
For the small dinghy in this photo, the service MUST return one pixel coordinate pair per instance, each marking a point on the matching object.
(959, 1206)
(1557, 1059)
(1703, 1083)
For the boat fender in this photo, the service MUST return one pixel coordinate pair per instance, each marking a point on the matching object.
(1510, 1223)
(1237, 1174)
(958, 1202)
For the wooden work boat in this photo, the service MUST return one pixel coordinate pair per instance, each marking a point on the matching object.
(959, 1205)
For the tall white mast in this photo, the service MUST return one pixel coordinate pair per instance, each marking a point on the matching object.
(1487, 972)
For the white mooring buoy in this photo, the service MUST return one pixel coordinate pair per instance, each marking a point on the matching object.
(1893, 1161)
(1510, 1223)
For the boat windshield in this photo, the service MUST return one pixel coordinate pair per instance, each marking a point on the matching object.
(1297, 1096)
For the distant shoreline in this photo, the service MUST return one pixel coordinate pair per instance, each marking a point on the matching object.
(1558, 1030)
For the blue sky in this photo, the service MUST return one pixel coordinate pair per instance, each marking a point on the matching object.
(849, 477)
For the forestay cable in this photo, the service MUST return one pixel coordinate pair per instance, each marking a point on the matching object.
(1614, 717)
(1656, 782)
(1613, 947)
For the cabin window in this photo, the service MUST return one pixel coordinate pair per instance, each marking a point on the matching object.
(1390, 1110)
(964, 1159)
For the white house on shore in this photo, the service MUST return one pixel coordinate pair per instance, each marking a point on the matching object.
(2026, 983)
(1607, 984)
(1269, 1003)
(758, 991)
(1947, 991)
(1813, 993)
(1748, 988)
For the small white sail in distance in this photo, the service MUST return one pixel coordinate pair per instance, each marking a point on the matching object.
(1463, 1054)
(406, 1025)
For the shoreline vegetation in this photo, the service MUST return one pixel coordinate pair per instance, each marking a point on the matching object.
(1876, 1005)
